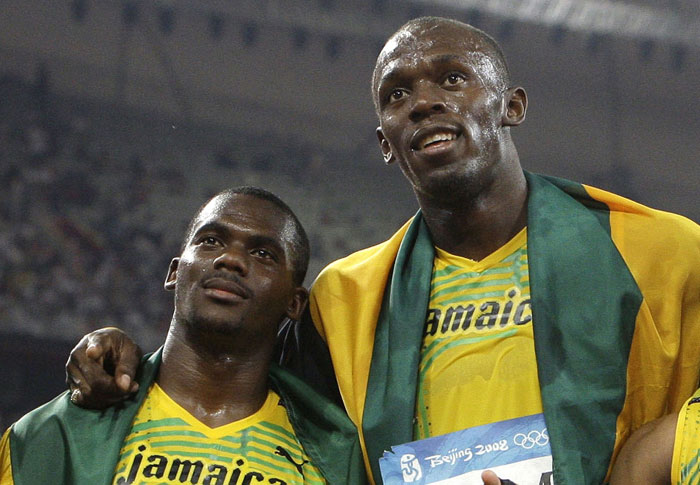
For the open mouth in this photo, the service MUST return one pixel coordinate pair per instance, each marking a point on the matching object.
(434, 139)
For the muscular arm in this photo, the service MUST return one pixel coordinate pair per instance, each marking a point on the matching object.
(101, 368)
(647, 455)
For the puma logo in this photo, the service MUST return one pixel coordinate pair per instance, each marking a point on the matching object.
(282, 452)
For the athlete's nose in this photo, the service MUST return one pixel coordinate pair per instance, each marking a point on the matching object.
(233, 258)
(427, 100)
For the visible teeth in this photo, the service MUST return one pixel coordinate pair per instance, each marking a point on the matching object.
(436, 138)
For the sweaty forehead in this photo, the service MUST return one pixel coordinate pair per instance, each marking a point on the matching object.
(248, 212)
(435, 43)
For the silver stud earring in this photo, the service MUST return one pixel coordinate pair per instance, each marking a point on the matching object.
(387, 158)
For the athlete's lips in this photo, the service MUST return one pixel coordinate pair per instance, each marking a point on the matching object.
(229, 284)
(432, 134)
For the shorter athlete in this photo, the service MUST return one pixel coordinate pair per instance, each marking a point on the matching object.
(210, 407)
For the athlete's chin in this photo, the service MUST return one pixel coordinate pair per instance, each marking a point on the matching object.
(217, 326)
(452, 185)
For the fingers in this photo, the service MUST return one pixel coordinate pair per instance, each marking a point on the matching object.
(90, 385)
(126, 360)
(94, 350)
(490, 478)
(101, 368)
(76, 382)
(77, 360)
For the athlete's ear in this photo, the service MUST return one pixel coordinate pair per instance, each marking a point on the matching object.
(171, 278)
(385, 147)
(297, 303)
(514, 106)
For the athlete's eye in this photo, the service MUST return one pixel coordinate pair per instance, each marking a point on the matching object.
(454, 79)
(396, 94)
(264, 254)
(208, 241)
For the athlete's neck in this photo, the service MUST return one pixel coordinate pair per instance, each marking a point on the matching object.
(215, 386)
(476, 227)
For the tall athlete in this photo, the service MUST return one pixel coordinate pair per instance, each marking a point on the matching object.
(211, 407)
(509, 296)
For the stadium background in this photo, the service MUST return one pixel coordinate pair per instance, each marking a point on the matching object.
(119, 117)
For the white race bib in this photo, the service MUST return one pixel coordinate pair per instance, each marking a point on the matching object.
(517, 449)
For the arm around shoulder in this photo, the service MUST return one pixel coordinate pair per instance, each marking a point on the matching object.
(301, 350)
(101, 369)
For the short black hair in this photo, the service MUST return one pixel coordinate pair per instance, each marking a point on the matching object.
(300, 249)
(496, 53)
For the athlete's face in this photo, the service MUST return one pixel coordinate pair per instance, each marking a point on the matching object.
(441, 102)
(235, 274)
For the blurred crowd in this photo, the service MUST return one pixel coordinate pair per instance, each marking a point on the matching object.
(95, 202)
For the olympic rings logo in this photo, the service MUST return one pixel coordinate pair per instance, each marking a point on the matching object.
(534, 437)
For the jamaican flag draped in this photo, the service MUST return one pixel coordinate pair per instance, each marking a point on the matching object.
(60, 443)
(615, 289)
